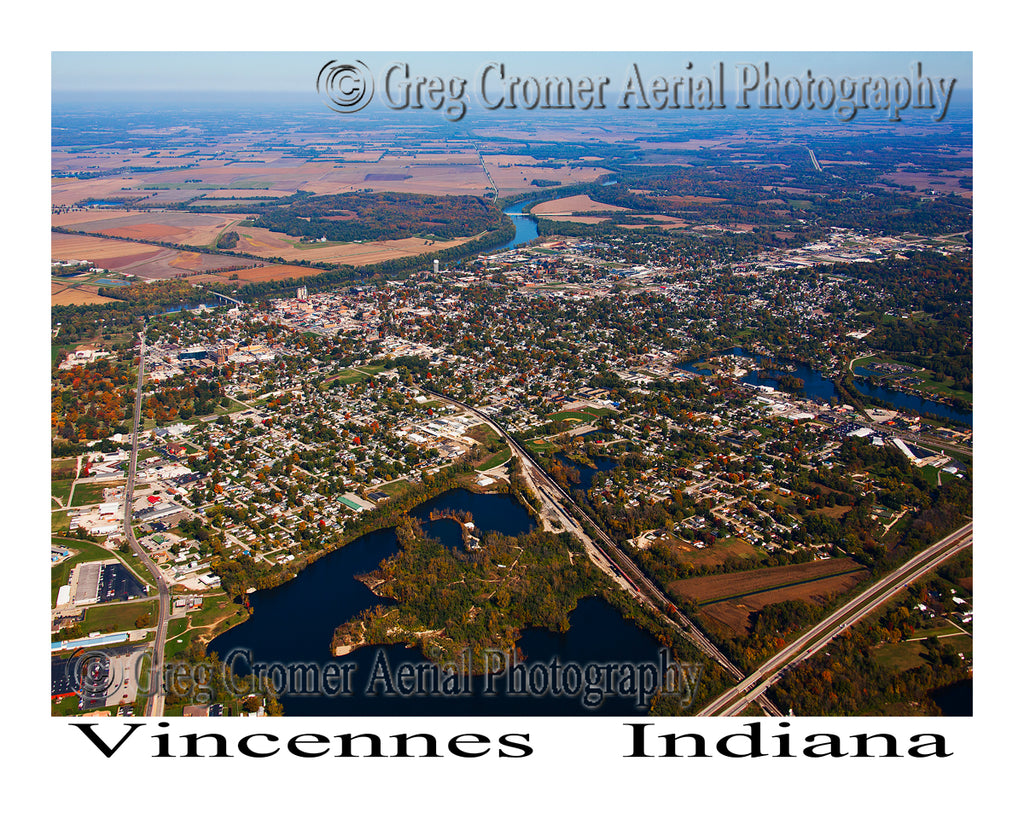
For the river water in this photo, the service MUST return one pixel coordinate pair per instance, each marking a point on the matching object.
(526, 225)
(294, 623)
(819, 387)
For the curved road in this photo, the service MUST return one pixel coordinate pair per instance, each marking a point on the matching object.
(155, 693)
(734, 701)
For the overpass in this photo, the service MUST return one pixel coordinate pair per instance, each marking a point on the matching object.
(735, 700)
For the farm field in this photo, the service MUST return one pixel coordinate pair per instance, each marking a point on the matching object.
(143, 260)
(197, 229)
(704, 590)
(263, 242)
(728, 602)
(275, 271)
(735, 614)
(572, 204)
(61, 293)
(517, 178)
(583, 220)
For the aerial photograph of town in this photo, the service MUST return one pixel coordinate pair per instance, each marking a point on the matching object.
(632, 385)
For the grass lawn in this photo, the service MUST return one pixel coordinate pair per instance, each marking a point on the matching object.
(118, 616)
(485, 435)
(57, 351)
(215, 606)
(906, 655)
(179, 637)
(900, 656)
(178, 644)
(61, 489)
(394, 488)
(233, 406)
(540, 446)
(942, 630)
(576, 416)
(929, 384)
(68, 707)
(176, 626)
(496, 459)
(865, 361)
(87, 494)
(353, 374)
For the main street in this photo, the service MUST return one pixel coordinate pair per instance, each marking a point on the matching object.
(605, 554)
(735, 700)
(155, 698)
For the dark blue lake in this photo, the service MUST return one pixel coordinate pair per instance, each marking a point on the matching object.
(956, 700)
(601, 466)
(294, 623)
(820, 388)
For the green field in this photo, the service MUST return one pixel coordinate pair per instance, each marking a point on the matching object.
(178, 630)
(927, 381)
(910, 654)
(394, 488)
(233, 406)
(61, 490)
(576, 416)
(59, 521)
(215, 606)
(496, 459)
(87, 494)
(118, 616)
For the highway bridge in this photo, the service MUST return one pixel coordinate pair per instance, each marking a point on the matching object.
(752, 687)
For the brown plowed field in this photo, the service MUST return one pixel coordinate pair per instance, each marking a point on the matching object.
(276, 271)
(735, 615)
(572, 204)
(735, 584)
(61, 294)
(145, 261)
(196, 229)
(262, 242)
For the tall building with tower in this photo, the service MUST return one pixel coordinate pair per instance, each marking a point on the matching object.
(437, 266)
(302, 293)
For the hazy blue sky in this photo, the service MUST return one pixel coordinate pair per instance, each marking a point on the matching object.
(273, 72)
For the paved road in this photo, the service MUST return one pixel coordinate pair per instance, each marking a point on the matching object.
(733, 702)
(155, 700)
(604, 551)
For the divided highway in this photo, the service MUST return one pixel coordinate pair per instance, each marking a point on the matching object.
(735, 700)
(155, 692)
